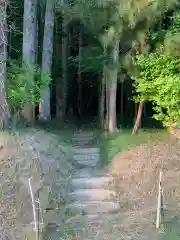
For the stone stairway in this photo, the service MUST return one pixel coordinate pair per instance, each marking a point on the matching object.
(93, 203)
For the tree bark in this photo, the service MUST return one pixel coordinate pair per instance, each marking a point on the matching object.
(113, 74)
(107, 98)
(138, 119)
(4, 109)
(29, 46)
(79, 75)
(64, 64)
(47, 54)
(102, 100)
(58, 81)
(122, 100)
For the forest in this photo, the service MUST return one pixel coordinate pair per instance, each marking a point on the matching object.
(106, 73)
(115, 62)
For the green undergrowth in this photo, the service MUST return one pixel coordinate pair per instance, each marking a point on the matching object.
(171, 229)
(112, 144)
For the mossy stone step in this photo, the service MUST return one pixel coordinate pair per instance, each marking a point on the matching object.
(91, 195)
(93, 207)
(91, 182)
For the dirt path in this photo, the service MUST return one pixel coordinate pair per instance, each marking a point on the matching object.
(91, 201)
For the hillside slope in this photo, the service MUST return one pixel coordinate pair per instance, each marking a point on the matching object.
(36, 154)
(136, 172)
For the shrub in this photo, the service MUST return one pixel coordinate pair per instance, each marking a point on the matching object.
(24, 85)
(158, 81)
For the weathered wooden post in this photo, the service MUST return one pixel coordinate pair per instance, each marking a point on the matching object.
(160, 207)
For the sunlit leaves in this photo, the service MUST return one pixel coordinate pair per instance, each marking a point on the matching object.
(158, 81)
(21, 89)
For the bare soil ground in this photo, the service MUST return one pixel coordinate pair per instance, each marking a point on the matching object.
(136, 175)
(28, 153)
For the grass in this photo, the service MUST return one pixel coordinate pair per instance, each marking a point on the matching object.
(112, 144)
(172, 230)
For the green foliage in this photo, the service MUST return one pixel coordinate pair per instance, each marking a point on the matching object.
(172, 37)
(175, 22)
(24, 85)
(156, 76)
(91, 59)
(158, 81)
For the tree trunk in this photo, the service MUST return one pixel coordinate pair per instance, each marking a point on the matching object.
(144, 110)
(122, 100)
(143, 49)
(102, 100)
(102, 103)
(4, 109)
(9, 37)
(113, 74)
(58, 81)
(79, 75)
(107, 99)
(64, 65)
(47, 58)
(138, 119)
(29, 46)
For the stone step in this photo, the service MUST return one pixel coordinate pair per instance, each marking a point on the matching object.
(79, 138)
(79, 218)
(86, 157)
(89, 220)
(93, 207)
(84, 135)
(82, 138)
(91, 182)
(81, 221)
(86, 150)
(91, 195)
(81, 144)
(88, 173)
(85, 162)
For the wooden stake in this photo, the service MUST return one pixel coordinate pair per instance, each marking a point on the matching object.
(160, 203)
(33, 205)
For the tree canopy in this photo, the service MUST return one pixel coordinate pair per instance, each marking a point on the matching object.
(133, 41)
